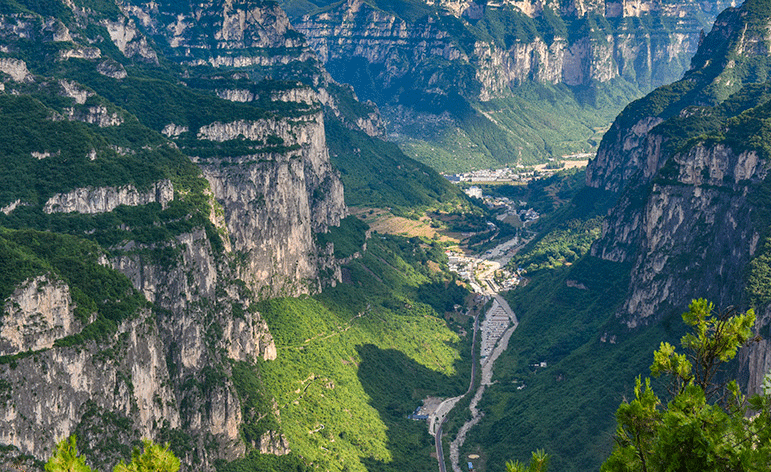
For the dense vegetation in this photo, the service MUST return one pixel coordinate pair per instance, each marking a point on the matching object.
(355, 360)
(376, 173)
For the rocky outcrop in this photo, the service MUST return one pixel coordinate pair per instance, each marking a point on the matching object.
(642, 155)
(16, 68)
(172, 131)
(75, 91)
(96, 115)
(112, 69)
(80, 53)
(39, 312)
(11, 206)
(129, 41)
(103, 199)
(237, 95)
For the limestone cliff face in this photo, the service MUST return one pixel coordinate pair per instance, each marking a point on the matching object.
(245, 40)
(200, 328)
(238, 29)
(169, 371)
(609, 8)
(104, 199)
(601, 52)
(641, 151)
(274, 202)
(52, 393)
(689, 234)
(38, 313)
(687, 214)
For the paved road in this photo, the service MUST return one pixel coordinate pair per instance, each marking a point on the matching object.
(438, 435)
(486, 380)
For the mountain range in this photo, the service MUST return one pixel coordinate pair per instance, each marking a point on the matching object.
(178, 260)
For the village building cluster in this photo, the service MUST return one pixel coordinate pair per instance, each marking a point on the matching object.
(507, 174)
(476, 273)
(509, 209)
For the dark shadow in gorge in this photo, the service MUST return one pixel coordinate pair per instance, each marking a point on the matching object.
(396, 385)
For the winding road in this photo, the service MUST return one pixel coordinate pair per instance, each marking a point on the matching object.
(486, 380)
(438, 435)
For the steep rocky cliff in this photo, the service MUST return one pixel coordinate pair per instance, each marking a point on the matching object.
(488, 52)
(689, 163)
(274, 202)
(187, 143)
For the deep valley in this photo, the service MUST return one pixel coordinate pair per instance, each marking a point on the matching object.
(322, 236)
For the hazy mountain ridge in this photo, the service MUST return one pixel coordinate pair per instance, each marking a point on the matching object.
(420, 56)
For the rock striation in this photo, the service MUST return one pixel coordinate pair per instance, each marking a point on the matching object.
(600, 51)
(105, 199)
(53, 392)
(275, 201)
(39, 312)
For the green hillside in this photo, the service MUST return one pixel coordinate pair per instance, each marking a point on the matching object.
(355, 360)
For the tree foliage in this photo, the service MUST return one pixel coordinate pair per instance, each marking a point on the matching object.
(154, 458)
(538, 463)
(708, 425)
(66, 458)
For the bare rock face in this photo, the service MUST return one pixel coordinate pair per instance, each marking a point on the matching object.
(96, 115)
(691, 235)
(38, 313)
(129, 41)
(642, 153)
(129, 376)
(16, 68)
(11, 206)
(274, 202)
(112, 69)
(187, 289)
(75, 91)
(104, 199)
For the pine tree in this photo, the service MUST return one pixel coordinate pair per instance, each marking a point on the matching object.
(154, 458)
(66, 458)
(708, 425)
